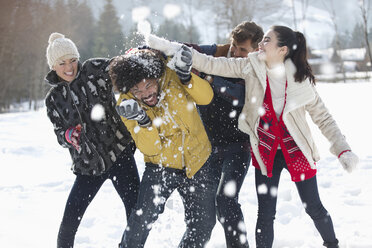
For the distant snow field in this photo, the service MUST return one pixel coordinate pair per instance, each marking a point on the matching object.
(35, 181)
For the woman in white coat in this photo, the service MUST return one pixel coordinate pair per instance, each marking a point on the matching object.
(279, 91)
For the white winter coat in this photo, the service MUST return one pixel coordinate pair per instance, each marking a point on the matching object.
(301, 97)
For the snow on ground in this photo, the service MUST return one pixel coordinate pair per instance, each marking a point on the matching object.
(35, 180)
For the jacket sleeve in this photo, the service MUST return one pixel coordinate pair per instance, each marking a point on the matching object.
(327, 125)
(200, 90)
(229, 91)
(221, 66)
(147, 139)
(208, 49)
(60, 126)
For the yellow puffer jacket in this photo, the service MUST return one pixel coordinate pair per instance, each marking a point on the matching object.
(177, 138)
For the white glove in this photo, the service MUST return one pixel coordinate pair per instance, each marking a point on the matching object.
(166, 46)
(349, 161)
(132, 111)
(182, 63)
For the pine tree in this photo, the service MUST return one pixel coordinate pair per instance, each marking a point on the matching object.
(7, 50)
(109, 39)
(356, 39)
(83, 27)
(177, 31)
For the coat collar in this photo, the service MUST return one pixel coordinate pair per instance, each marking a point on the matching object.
(53, 80)
(298, 94)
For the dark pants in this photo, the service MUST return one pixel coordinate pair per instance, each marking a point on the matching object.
(308, 191)
(125, 178)
(198, 197)
(233, 161)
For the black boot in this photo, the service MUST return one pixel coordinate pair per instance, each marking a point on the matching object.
(333, 244)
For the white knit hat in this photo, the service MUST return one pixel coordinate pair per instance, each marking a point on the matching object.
(58, 47)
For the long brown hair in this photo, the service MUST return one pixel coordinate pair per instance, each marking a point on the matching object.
(297, 51)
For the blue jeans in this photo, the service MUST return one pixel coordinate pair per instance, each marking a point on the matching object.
(199, 204)
(233, 161)
(125, 178)
(308, 191)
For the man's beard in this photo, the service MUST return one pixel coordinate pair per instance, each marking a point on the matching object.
(156, 95)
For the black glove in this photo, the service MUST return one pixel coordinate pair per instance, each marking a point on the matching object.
(132, 111)
(183, 64)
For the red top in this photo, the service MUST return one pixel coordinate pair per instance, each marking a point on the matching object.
(271, 134)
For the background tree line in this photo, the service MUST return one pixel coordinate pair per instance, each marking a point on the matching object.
(25, 27)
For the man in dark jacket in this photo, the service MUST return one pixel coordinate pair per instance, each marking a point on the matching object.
(81, 106)
(231, 146)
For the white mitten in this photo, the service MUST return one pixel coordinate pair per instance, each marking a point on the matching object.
(161, 44)
(349, 161)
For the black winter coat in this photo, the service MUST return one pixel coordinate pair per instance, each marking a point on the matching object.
(70, 104)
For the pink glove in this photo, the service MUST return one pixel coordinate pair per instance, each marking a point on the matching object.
(72, 136)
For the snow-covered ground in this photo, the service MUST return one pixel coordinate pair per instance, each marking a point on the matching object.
(35, 180)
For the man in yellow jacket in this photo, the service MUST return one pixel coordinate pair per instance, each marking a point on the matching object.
(157, 106)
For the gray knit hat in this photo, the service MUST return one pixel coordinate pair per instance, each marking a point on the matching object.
(59, 47)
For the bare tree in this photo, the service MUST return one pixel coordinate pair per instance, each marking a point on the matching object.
(304, 6)
(192, 33)
(331, 9)
(229, 13)
(294, 14)
(365, 6)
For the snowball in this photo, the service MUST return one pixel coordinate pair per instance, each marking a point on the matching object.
(139, 212)
(273, 191)
(190, 106)
(156, 189)
(97, 113)
(136, 129)
(261, 111)
(242, 238)
(157, 200)
(235, 102)
(241, 226)
(140, 13)
(302, 176)
(144, 27)
(171, 10)
(230, 188)
(262, 189)
(157, 122)
(232, 114)
(192, 189)
(222, 89)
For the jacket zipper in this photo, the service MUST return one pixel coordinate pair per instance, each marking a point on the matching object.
(86, 137)
(183, 135)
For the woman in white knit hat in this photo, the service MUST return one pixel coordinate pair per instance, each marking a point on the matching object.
(81, 106)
